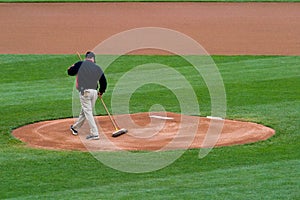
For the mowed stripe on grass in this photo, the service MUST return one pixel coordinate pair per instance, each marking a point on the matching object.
(261, 89)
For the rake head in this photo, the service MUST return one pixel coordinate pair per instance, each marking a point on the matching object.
(119, 132)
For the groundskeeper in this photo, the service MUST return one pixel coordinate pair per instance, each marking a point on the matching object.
(89, 77)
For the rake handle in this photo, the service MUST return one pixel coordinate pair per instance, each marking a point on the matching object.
(111, 119)
(78, 54)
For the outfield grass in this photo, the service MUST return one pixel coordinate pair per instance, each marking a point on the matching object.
(263, 89)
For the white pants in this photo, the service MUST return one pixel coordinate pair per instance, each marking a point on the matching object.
(88, 101)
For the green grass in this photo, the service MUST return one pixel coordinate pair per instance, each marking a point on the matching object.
(263, 89)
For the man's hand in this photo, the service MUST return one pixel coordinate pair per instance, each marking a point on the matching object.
(100, 95)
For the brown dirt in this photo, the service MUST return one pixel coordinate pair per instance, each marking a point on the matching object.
(221, 28)
(144, 133)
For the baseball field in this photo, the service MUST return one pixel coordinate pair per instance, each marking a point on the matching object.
(260, 71)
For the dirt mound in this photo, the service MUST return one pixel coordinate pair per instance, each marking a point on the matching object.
(146, 131)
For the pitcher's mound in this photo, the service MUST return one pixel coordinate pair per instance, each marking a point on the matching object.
(146, 131)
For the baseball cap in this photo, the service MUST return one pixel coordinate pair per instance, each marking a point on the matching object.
(89, 54)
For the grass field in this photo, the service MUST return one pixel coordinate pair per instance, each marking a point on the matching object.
(263, 89)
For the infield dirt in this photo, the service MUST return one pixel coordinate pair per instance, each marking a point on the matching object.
(221, 28)
(144, 133)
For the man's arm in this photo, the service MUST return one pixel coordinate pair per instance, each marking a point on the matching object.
(103, 84)
(73, 70)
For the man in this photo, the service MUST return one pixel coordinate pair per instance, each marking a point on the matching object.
(88, 75)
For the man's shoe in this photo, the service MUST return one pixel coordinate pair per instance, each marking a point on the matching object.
(92, 137)
(74, 132)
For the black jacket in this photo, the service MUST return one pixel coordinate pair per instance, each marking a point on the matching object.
(88, 75)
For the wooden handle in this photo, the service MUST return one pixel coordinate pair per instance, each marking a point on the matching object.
(111, 119)
(79, 56)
